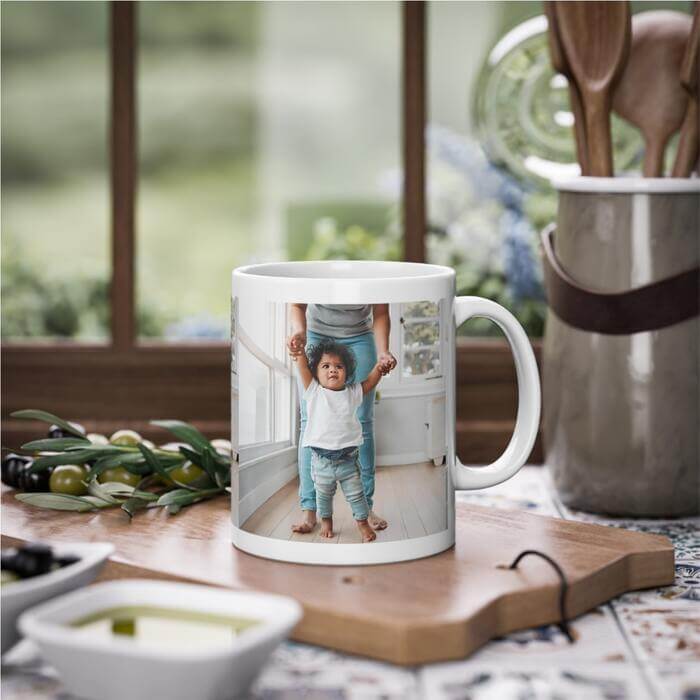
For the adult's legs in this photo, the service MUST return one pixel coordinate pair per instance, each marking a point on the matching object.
(307, 492)
(366, 357)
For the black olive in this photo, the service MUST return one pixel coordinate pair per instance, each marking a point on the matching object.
(33, 560)
(8, 559)
(37, 482)
(67, 560)
(12, 466)
(56, 431)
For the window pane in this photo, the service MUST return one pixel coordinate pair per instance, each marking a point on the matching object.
(420, 338)
(253, 341)
(268, 131)
(420, 309)
(421, 334)
(55, 200)
(421, 362)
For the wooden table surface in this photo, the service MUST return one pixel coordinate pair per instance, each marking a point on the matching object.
(642, 645)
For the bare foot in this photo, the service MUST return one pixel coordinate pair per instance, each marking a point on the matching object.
(326, 527)
(368, 534)
(376, 522)
(307, 524)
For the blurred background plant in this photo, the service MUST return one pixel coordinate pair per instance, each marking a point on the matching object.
(478, 223)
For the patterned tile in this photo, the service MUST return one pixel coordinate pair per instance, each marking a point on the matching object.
(517, 681)
(681, 681)
(597, 639)
(668, 631)
(303, 671)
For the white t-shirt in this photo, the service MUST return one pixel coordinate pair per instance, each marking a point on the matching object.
(332, 422)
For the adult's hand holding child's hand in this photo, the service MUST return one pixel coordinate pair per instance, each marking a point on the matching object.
(386, 362)
(296, 344)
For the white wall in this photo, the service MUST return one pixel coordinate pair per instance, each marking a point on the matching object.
(407, 429)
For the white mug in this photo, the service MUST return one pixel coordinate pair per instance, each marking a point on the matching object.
(343, 410)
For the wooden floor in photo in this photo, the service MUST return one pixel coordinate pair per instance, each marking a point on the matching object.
(410, 497)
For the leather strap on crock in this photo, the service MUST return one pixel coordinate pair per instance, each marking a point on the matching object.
(646, 308)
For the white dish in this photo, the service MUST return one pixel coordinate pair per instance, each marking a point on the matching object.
(16, 597)
(115, 668)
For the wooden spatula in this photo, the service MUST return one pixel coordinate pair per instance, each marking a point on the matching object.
(595, 41)
(689, 141)
(560, 65)
(649, 94)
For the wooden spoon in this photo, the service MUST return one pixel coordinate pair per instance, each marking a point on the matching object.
(595, 40)
(560, 65)
(688, 143)
(649, 94)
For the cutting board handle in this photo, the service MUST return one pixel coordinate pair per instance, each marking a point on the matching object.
(528, 420)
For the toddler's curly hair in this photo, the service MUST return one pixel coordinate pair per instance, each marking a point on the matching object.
(330, 347)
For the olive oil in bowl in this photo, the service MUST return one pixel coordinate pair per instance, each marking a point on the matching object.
(164, 628)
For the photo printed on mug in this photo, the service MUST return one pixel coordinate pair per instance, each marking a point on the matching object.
(339, 420)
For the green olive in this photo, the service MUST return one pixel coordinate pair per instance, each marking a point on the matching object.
(97, 439)
(120, 475)
(187, 473)
(125, 438)
(68, 479)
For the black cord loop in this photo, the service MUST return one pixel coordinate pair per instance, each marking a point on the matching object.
(564, 622)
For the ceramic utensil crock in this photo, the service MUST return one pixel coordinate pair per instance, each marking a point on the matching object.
(355, 362)
(621, 362)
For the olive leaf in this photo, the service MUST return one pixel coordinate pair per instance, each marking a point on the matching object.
(131, 505)
(202, 482)
(221, 474)
(181, 497)
(46, 417)
(72, 457)
(184, 431)
(159, 469)
(61, 501)
(201, 461)
(55, 444)
(95, 488)
(172, 496)
(194, 457)
(220, 459)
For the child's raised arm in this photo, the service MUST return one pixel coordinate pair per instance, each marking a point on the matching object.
(303, 368)
(372, 379)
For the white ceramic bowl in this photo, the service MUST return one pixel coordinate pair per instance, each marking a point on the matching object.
(115, 668)
(16, 597)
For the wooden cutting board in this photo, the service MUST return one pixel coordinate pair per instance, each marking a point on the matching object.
(434, 609)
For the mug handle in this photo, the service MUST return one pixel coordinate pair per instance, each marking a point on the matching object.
(528, 420)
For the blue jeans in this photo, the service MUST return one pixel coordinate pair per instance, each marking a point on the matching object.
(332, 467)
(365, 357)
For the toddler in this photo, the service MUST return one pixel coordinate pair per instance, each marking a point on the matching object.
(333, 431)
